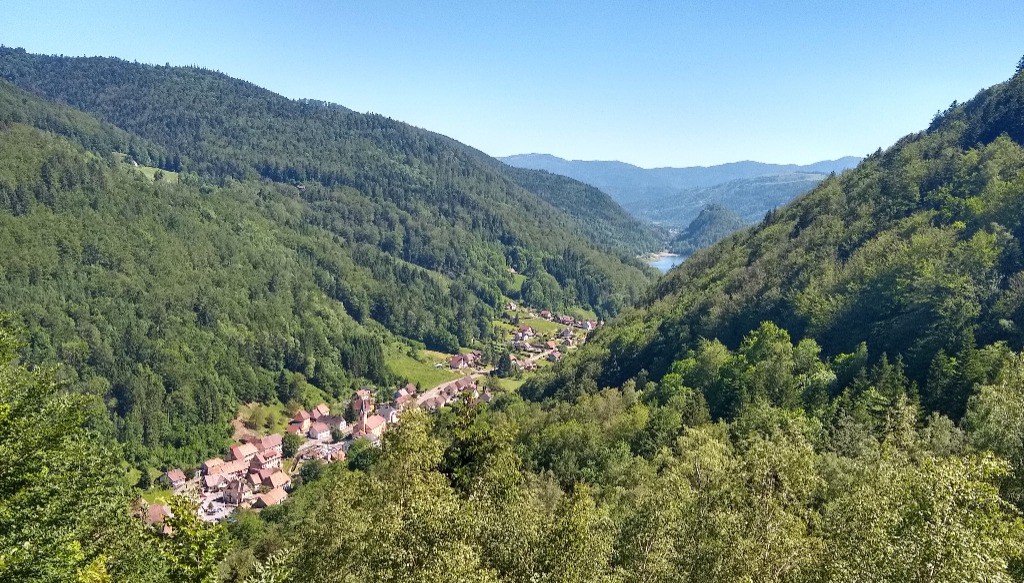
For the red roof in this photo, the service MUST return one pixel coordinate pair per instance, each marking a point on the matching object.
(318, 428)
(277, 479)
(231, 467)
(156, 513)
(245, 450)
(175, 475)
(295, 429)
(267, 442)
(301, 416)
(275, 496)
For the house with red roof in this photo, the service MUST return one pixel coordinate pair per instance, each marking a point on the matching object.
(261, 462)
(302, 419)
(209, 464)
(233, 468)
(156, 516)
(268, 446)
(369, 426)
(173, 478)
(271, 498)
(319, 411)
(319, 431)
(237, 491)
(277, 479)
(243, 451)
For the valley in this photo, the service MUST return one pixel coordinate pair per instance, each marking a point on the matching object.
(250, 338)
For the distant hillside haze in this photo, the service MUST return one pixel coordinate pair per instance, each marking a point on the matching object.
(605, 174)
(675, 196)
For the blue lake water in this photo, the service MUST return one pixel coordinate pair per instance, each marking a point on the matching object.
(666, 262)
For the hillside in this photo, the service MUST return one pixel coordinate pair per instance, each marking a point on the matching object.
(748, 198)
(175, 300)
(713, 224)
(915, 255)
(220, 127)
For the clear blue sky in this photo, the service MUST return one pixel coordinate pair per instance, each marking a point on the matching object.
(652, 83)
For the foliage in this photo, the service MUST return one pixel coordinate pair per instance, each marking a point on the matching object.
(64, 509)
(290, 444)
(193, 548)
(257, 276)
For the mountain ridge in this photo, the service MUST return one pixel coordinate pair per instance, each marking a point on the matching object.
(673, 197)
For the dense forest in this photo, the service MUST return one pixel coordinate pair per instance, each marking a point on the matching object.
(174, 296)
(220, 127)
(831, 395)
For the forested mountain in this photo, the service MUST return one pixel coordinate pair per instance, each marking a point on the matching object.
(674, 196)
(173, 300)
(217, 126)
(713, 224)
(914, 255)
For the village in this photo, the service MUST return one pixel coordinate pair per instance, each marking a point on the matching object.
(257, 472)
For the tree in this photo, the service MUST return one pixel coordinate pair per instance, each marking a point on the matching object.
(362, 454)
(257, 417)
(195, 547)
(64, 516)
(311, 471)
(290, 444)
(505, 368)
(145, 482)
(336, 435)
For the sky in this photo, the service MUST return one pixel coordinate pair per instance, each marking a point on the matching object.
(675, 83)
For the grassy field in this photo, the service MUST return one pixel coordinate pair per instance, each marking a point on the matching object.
(150, 173)
(517, 282)
(419, 371)
(542, 326)
(275, 413)
(511, 385)
(157, 496)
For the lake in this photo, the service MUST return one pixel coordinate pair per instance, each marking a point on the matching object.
(665, 262)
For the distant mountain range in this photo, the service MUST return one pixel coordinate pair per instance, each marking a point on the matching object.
(673, 197)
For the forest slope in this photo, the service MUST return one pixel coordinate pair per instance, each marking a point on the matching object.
(915, 253)
(221, 127)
